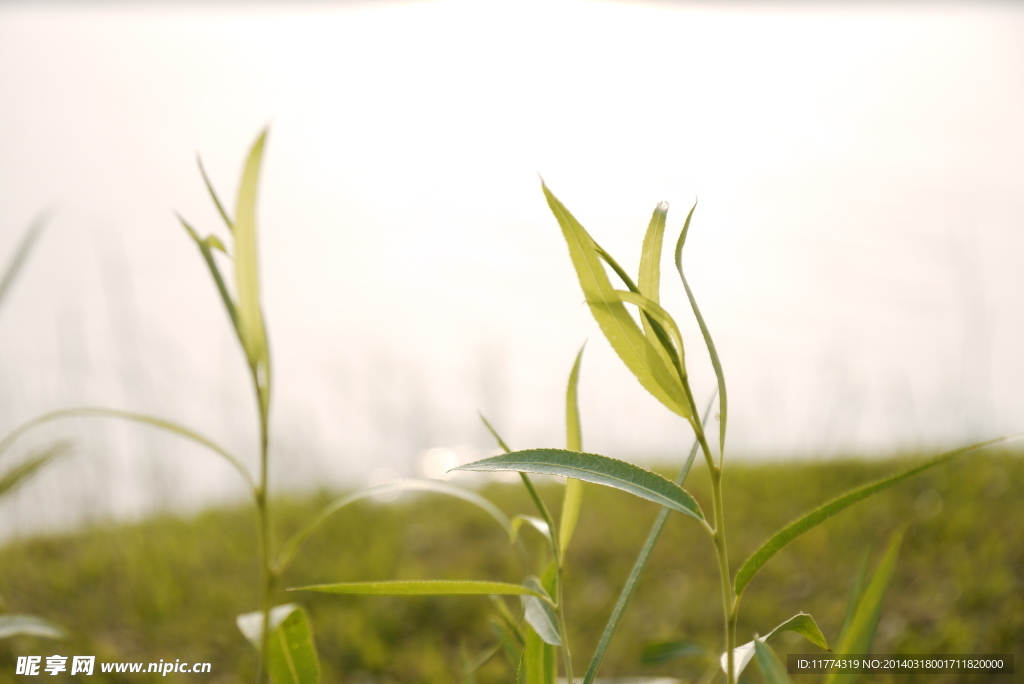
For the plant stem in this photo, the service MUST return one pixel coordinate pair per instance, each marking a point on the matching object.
(564, 633)
(728, 595)
(263, 524)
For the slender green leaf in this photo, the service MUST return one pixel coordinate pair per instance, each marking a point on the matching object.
(819, 515)
(638, 567)
(17, 261)
(292, 656)
(250, 315)
(211, 264)
(291, 547)
(656, 654)
(801, 623)
(653, 312)
(539, 614)
(621, 331)
(213, 195)
(18, 474)
(508, 622)
(511, 645)
(861, 631)
(28, 625)
(596, 469)
(572, 500)
(723, 397)
(423, 588)
(539, 660)
(771, 667)
(649, 280)
(494, 433)
(535, 523)
(160, 423)
(855, 594)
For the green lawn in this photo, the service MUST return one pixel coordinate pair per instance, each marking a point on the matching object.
(170, 588)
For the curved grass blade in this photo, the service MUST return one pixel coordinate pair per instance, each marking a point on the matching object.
(638, 567)
(18, 474)
(160, 423)
(250, 315)
(621, 331)
(771, 666)
(292, 656)
(425, 588)
(801, 623)
(858, 636)
(596, 469)
(20, 256)
(213, 195)
(28, 625)
(573, 497)
(819, 515)
(292, 546)
(225, 296)
(723, 397)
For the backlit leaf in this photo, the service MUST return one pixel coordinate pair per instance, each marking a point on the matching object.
(291, 655)
(27, 625)
(250, 315)
(573, 498)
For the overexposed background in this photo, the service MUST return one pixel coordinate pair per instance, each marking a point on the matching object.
(857, 250)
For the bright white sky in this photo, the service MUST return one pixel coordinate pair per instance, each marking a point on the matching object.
(857, 250)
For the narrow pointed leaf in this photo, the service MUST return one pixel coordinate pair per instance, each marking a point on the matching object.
(211, 264)
(723, 397)
(819, 515)
(801, 623)
(539, 614)
(654, 313)
(423, 588)
(621, 331)
(250, 315)
(291, 656)
(20, 256)
(771, 667)
(573, 498)
(535, 523)
(494, 433)
(213, 196)
(649, 280)
(28, 625)
(854, 599)
(861, 631)
(21, 472)
(596, 469)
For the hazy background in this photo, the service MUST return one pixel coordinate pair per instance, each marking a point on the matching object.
(857, 249)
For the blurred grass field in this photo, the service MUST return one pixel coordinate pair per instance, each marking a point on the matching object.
(171, 587)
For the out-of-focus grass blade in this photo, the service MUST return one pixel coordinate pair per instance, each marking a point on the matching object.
(292, 656)
(160, 423)
(819, 515)
(573, 498)
(511, 646)
(213, 195)
(861, 631)
(855, 593)
(723, 397)
(596, 469)
(622, 332)
(535, 523)
(539, 614)
(771, 666)
(18, 474)
(539, 660)
(28, 625)
(655, 654)
(291, 547)
(494, 433)
(801, 623)
(250, 315)
(424, 588)
(638, 567)
(225, 297)
(17, 261)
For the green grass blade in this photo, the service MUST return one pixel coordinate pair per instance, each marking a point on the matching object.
(160, 423)
(716, 363)
(619, 328)
(424, 588)
(213, 195)
(28, 625)
(771, 667)
(291, 547)
(656, 654)
(292, 656)
(595, 469)
(854, 599)
(20, 256)
(539, 614)
(573, 498)
(819, 515)
(861, 631)
(21, 472)
(225, 296)
(494, 433)
(250, 315)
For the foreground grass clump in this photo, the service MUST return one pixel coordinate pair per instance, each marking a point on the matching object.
(168, 588)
